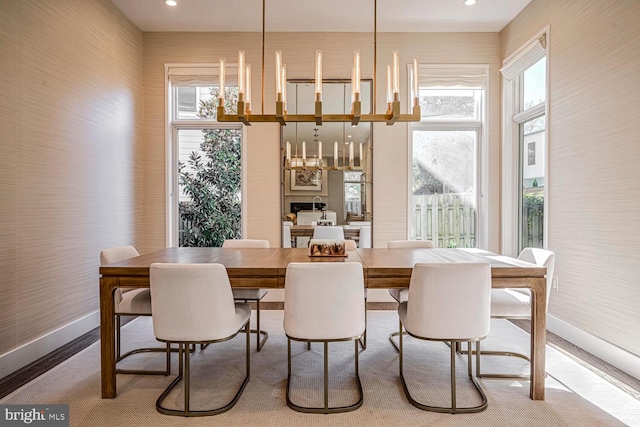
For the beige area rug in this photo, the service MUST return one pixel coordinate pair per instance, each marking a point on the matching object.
(575, 396)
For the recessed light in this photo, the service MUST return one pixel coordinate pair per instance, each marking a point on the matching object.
(174, 2)
(469, 2)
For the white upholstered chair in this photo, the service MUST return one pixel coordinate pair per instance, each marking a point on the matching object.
(131, 302)
(313, 314)
(448, 302)
(402, 294)
(364, 235)
(515, 303)
(193, 304)
(286, 233)
(350, 245)
(328, 232)
(250, 294)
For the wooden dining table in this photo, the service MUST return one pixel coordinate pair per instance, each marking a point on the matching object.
(266, 268)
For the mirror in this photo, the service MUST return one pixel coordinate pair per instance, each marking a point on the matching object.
(345, 193)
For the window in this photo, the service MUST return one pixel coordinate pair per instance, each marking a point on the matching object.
(353, 194)
(525, 147)
(205, 166)
(445, 156)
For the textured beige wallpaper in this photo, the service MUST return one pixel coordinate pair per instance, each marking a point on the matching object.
(71, 169)
(594, 183)
(390, 201)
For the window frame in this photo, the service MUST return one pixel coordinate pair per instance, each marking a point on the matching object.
(172, 126)
(481, 126)
(512, 118)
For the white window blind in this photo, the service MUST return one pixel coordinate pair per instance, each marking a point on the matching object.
(529, 55)
(201, 76)
(468, 78)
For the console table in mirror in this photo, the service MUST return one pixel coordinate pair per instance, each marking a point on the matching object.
(327, 168)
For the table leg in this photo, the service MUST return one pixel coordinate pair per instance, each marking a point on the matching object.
(538, 336)
(107, 337)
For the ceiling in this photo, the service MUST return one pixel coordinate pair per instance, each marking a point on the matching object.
(322, 16)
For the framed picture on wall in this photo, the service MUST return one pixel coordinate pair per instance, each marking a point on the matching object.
(306, 180)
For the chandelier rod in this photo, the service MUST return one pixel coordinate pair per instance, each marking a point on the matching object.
(375, 52)
(263, 31)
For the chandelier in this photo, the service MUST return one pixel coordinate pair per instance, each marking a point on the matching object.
(391, 116)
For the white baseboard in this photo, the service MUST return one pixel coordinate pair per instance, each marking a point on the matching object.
(32, 351)
(610, 353)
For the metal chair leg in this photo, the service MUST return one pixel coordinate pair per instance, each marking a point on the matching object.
(497, 376)
(363, 339)
(454, 409)
(257, 331)
(187, 412)
(119, 356)
(325, 409)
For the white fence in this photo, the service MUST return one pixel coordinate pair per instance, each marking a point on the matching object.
(448, 220)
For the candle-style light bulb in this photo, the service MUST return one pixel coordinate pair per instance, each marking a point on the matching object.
(247, 96)
(278, 73)
(221, 81)
(241, 71)
(396, 73)
(353, 86)
(351, 154)
(284, 87)
(356, 72)
(361, 154)
(319, 153)
(304, 151)
(335, 154)
(288, 153)
(389, 84)
(318, 75)
(415, 78)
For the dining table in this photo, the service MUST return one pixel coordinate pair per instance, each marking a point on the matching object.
(266, 268)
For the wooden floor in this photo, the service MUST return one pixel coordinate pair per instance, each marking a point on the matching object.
(19, 378)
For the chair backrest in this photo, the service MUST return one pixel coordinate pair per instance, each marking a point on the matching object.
(398, 244)
(328, 232)
(311, 309)
(286, 236)
(365, 236)
(359, 223)
(449, 300)
(191, 302)
(541, 257)
(350, 245)
(111, 255)
(245, 243)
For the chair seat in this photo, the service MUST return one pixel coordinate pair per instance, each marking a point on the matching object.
(400, 295)
(249, 294)
(136, 301)
(510, 303)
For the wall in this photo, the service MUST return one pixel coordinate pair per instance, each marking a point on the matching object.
(71, 169)
(594, 152)
(390, 143)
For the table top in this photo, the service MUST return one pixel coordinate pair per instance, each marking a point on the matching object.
(272, 262)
